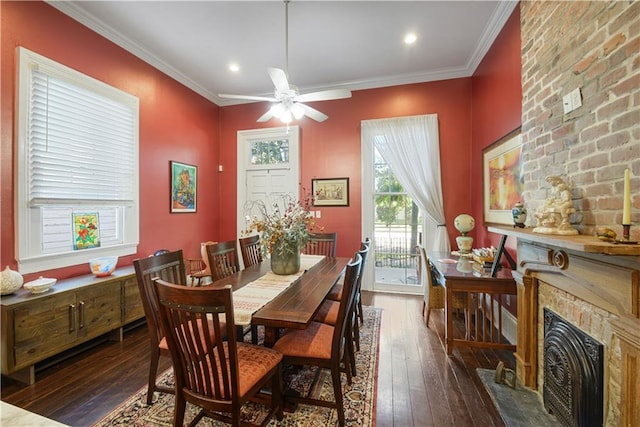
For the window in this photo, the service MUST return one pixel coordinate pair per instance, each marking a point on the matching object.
(269, 152)
(77, 167)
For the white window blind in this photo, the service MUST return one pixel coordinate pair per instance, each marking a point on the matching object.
(80, 144)
(77, 155)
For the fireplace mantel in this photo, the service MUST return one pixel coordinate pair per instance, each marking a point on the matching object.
(580, 243)
(591, 273)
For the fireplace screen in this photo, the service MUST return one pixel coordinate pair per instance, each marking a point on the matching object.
(573, 366)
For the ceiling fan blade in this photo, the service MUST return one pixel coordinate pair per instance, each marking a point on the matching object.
(324, 95)
(314, 114)
(248, 97)
(265, 117)
(279, 79)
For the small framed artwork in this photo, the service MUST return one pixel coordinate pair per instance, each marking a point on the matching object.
(86, 230)
(184, 187)
(330, 192)
(503, 180)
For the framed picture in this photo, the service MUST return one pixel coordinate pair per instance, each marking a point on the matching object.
(184, 187)
(86, 230)
(330, 192)
(503, 180)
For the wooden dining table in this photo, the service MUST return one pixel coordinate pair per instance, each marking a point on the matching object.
(296, 306)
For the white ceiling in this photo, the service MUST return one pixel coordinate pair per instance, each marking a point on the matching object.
(332, 44)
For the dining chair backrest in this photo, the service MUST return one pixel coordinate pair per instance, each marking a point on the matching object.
(223, 259)
(205, 260)
(342, 328)
(251, 250)
(210, 370)
(167, 266)
(321, 244)
(193, 349)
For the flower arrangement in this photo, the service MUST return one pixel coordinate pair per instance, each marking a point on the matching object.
(286, 229)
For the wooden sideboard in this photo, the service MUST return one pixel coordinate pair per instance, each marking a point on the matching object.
(38, 326)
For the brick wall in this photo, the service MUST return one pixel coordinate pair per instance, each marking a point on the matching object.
(593, 46)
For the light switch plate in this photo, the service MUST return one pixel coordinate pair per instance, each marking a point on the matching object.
(567, 103)
(576, 98)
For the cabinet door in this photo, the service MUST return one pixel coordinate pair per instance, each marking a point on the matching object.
(133, 309)
(43, 328)
(99, 309)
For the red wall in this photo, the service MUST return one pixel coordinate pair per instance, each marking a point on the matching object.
(332, 148)
(175, 124)
(496, 110)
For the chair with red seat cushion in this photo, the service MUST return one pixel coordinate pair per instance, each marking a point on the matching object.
(216, 375)
(335, 294)
(325, 346)
(169, 266)
(223, 262)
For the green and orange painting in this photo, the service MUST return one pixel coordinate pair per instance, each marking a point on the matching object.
(86, 230)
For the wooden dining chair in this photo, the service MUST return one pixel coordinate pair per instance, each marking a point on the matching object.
(223, 259)
(251, 250)
(328, 311)
(325, 346)
(199, 268)
(169, 266)
(321, 244)
(217, 375)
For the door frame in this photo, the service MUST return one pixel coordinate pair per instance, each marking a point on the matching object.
(368, 223)
(244, 137)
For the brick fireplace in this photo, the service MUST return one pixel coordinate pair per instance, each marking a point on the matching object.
(591, 46)
(594, 286)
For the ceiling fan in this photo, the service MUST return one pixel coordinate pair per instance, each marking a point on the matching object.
(288, 102)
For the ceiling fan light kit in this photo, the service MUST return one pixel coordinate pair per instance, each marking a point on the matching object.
(287, 101)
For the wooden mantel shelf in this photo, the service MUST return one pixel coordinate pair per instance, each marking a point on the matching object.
(581, 243)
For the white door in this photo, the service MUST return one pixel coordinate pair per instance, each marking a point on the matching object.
(268, 166)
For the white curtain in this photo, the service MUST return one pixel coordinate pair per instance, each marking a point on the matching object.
(410, 145)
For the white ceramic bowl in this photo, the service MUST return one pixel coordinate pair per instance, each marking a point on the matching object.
(103, 266)
(38, 286)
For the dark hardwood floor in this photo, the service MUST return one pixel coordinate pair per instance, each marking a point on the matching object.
(418, 385)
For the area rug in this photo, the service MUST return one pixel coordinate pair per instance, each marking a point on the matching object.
(359, 397)
(519, 406)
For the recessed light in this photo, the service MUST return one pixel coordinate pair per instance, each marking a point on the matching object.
(410, 38)
(234, 67)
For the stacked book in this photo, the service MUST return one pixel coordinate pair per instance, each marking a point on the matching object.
(483, 257)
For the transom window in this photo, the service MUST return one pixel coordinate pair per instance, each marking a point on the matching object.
(269, 152)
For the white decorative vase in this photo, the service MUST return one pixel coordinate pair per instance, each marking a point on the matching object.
(465, 243)
(464, 223)
(11, 281)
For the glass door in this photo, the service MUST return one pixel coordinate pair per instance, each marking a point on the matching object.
(397, 225)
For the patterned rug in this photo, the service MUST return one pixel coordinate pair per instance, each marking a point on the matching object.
(359, 397)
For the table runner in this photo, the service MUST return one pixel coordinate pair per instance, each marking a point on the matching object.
(254, 295)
